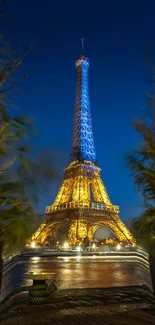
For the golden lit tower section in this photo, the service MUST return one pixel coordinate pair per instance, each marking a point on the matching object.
(82, 203)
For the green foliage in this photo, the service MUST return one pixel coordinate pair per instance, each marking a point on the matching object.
(141, 162)
(144, 227)
(24, 174)
(22, 180)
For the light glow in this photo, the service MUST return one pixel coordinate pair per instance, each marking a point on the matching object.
(130, 258)
(78, 249)
(36, 258)
(33, 244)
(118, 247)
(66, 245)
(78, 257)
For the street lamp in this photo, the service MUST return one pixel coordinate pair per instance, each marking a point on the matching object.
(93, 245)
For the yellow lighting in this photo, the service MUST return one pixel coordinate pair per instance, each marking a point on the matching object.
(78, 249)
(94, 246)
(66, 245)
(74, 196)
(33, 244)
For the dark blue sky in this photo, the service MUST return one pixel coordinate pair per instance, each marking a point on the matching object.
(116, 34)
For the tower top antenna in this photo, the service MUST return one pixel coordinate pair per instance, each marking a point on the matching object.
(82, 43)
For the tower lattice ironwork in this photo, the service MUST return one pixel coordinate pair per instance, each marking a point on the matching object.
(82, 203)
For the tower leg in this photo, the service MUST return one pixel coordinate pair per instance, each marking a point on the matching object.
(72, 234)
(78, 230)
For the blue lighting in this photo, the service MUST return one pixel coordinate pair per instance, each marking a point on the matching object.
(83, 142)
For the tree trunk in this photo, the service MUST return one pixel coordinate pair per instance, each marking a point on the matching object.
(152, 266)
(1, 264)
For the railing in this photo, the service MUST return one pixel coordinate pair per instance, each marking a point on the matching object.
(8, 259)
(88, 205)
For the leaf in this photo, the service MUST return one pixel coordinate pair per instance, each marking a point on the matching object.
(24, 161)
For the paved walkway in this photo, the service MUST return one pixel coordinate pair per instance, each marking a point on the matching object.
(123, 306)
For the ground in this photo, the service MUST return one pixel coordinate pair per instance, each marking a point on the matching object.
(125, 305)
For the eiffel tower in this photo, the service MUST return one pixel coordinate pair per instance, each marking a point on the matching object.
(82, 204)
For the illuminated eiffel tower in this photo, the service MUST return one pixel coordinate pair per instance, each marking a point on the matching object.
(82, 204)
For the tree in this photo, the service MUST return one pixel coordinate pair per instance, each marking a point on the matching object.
(141, 162)
(22, 177)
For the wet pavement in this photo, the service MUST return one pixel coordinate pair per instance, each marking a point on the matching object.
(77, 272)
(90, 291)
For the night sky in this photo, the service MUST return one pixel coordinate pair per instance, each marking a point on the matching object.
(116, 34)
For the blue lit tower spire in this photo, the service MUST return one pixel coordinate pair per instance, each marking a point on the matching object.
(83, 142)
